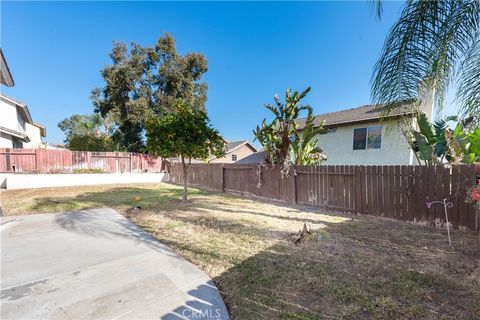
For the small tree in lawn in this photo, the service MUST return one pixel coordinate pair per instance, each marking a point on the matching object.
(184, 132)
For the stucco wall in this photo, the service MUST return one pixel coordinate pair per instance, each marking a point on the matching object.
(5, 140)
(33, 132)
(9, 118)
(338, 146)
(30, 181)
(241, 153)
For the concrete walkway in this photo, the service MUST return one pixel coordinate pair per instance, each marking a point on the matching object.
(95, 264)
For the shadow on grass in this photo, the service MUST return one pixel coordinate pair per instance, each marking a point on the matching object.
(334, 278)
(363, 268)
(120, 196)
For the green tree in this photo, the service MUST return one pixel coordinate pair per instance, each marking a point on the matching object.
(145, 81)
(120, 97)
(77, 125)
(281, 140)
(433, 44)
(91, 142)
(183, 132)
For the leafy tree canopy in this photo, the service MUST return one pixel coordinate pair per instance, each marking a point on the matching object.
(78, 125)
(89, 142)
(183, 132)
(145, 81)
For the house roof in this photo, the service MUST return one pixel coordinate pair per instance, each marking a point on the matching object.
(6, 77)
(21, 107)
(234, 145)
(360, 114)
(256, 157)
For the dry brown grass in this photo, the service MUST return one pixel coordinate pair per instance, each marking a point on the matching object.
(364, 267)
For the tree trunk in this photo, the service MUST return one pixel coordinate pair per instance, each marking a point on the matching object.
(184, 167)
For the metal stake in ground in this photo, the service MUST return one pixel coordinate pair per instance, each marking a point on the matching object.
(445, 206)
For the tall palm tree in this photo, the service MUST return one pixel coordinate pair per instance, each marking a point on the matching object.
(432, 45)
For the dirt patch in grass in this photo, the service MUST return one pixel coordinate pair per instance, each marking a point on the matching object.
(350, 267)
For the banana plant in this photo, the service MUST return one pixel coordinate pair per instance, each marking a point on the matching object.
(276, 137)
(465, 143)
(304, 147)
(437, 143)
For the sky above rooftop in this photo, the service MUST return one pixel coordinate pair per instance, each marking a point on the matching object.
(55, 51)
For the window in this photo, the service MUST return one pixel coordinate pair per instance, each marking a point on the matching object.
(359, 138)
(17, 143)
(374, 138)
(367, 138)
(234, 157)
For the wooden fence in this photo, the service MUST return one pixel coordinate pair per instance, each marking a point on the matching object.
(398, 192)
(62, 161)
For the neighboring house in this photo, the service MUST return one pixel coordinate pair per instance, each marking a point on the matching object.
(17, 128)
(359, 136)
(256, 157)
(236, 150)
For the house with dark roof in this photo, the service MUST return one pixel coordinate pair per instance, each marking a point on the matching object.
(360, 136)
(236, 150)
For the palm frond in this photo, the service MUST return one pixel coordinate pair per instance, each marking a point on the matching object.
(423, 50)
(376, 8)
(468, 94)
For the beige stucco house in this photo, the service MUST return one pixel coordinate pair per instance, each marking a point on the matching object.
(360, 136)
(236, 150)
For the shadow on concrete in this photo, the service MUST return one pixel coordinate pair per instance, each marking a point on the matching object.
(106, 222)
(205, 304)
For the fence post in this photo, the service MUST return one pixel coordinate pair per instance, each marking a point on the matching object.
(36, 160)
(8, 164)
(295, 199)
(359, 172)
(130, 161)
(223, 178)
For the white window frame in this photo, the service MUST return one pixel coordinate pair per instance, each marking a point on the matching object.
(366, 137)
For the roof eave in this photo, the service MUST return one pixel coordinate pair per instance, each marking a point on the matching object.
(20, 135)
(360, 121)
(7, 78)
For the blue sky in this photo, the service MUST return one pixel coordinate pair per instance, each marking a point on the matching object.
(56, 50)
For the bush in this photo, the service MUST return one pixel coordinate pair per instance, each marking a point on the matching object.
(90, 170)
(91, 143)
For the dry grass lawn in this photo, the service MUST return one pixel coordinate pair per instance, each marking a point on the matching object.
(350, 267)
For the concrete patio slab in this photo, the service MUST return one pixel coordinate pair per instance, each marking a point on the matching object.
(96, 264)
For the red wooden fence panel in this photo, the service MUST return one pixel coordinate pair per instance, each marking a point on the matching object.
(61, 161)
